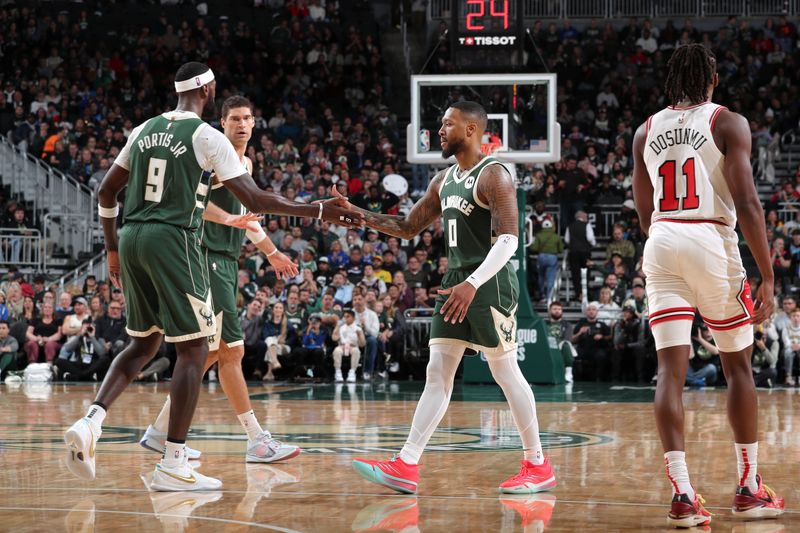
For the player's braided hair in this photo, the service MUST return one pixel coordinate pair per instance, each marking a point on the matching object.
(691, 71)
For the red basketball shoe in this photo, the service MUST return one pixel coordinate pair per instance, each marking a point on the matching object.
(763, 504)
(394, 473)
(685, 513)
(530, 479)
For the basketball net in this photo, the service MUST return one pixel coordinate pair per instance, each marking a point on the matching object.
(490, 148)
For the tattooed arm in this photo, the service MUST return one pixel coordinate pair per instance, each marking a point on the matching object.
(497, 189)
(422, 215)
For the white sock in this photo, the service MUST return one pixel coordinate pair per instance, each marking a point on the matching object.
(162, 420)
(250, 424)
(678, 473)
(173, 454)
(433, 403)
(519, 396)
(747, 461)
(96, 414)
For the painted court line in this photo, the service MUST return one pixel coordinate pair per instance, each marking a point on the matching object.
(381, 495)
(154, 515)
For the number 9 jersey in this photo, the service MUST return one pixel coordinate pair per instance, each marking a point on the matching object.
(686, 167)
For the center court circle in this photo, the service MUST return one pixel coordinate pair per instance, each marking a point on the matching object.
(224, 439)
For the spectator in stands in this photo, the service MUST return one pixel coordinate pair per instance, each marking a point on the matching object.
(83, 357)
(278, 336)
(96, 308)
(349, 339)
(621, 245)
(638, 299)
(64, 305)
(781, 261)
(337, 258)
(73, 323)
(8, 348)
(548, 244)
(344, 289)
(111, 329)
(246, 286)
(14, 301)
(784, 316)
(311, 355)
(380, 271)
(368, 320)
(20, 225)
(44, 336)
(703, 359)
(608, 311)
(592, 340)
(790, 339)
(766, 348)
(255, 348)
(371, 281)
(618, 292)
(159, 365)
(355, 265)
(561, 331)
(629, 343)
(580, 241)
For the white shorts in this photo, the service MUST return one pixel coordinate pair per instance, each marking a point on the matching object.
(697, 265)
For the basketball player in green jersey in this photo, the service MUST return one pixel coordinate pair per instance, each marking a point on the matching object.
(222, 244)
(476, 307)
(160, 266)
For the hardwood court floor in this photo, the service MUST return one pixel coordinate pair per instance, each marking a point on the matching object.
(601, 440)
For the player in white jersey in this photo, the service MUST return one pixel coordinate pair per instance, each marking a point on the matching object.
(691, 178)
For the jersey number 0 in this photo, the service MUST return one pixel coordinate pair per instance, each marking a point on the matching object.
(669, 195)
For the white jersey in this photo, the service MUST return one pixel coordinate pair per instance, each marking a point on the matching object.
(686, 167)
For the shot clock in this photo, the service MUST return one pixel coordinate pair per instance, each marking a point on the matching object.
(487, 33)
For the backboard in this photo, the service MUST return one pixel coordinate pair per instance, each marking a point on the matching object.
(522, 125)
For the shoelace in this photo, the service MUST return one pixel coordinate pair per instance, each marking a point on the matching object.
(703, 503)
(769, 492)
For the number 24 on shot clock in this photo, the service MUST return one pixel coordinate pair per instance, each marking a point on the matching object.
(487, 23)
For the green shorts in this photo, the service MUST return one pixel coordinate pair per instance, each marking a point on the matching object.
(222, 275)
(491, 322)
(165, 282)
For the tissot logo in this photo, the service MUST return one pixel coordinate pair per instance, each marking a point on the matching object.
(497, 433)
(494, 40)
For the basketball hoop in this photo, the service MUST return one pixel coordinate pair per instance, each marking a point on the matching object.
(490, 148)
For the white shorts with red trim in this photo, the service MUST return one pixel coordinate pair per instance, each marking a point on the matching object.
(697, 265)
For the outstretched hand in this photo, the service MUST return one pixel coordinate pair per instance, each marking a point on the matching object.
(241, 221)
(283, 265)
(458, 300)
(338, 210)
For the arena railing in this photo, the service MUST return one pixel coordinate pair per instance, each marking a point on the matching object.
(96, 266)
(602, 9)
(49, 191)
(23, 251)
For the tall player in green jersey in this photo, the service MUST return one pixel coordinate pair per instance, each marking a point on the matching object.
(221, 243)
(160, 266)
(476, 307)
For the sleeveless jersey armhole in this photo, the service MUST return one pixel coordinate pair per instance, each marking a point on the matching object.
(477, 179)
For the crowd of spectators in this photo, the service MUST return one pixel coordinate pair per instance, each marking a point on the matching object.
(322, 121)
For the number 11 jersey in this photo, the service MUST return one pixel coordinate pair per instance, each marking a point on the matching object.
(686, 167)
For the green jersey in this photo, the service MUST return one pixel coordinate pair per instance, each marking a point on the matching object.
(467, 221)
(167, 157)
(219, 238)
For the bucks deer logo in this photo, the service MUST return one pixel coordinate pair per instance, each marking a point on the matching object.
(509, 333)
(208, 317)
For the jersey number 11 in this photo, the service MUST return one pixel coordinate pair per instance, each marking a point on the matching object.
(669, 195)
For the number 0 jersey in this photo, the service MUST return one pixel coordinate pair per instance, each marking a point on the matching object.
(467, 221)
(167, 157)
(686, 167)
